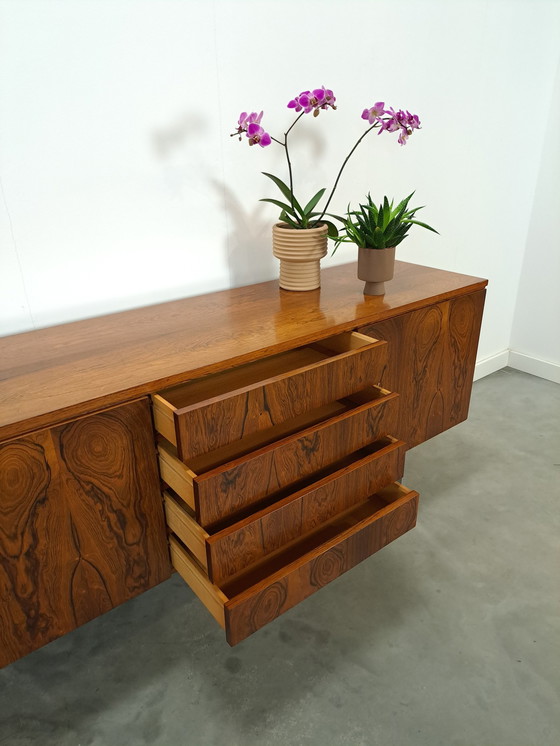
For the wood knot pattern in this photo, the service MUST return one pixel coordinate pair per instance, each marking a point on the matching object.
(327, 567)
(400, 521)
(81, 527)
(94, 449)
(99, 453)
(268, 605)
(24, 471)
(25, 479)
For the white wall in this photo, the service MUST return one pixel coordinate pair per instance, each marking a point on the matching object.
(535, 338)
(121, 186)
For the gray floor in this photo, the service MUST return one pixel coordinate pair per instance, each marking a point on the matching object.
(449, 636)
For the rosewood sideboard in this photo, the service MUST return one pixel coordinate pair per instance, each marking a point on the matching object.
(251, 439)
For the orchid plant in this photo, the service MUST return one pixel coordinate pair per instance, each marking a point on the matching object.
(313, 102)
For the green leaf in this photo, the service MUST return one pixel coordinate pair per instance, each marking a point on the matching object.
(313, 201)
(424, 225)
(332, 215)
(285, 189)
(287, 219)
(332, 231)
(381, 217)
(378, 238)
(404, 203)
(281, 205)
(386, 213)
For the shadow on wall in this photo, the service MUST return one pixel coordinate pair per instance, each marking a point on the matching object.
(248, 242)
(174, 135)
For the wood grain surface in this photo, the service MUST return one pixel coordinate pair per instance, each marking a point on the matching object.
(50, 375)
(248, 610)
(81, 525)
(248, 541)
(234, 486)
(432, 354)
(228, 418)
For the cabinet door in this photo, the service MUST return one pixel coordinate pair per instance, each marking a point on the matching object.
(432, 354)
(81, 524)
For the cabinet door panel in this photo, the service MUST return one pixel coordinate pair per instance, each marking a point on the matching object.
(81, 525)
(432, 354)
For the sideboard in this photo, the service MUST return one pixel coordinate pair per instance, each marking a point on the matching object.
(251, 439)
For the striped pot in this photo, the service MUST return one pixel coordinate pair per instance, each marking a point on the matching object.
(300, 253)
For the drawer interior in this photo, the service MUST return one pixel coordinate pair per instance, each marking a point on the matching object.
(218, 384)
(393, 501)
(252, 443)
(375, 505)
(209, 471)
(378, 447)
(288, 514)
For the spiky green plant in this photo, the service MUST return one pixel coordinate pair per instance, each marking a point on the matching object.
(382, 227)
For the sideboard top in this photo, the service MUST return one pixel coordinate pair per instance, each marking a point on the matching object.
(64, 371)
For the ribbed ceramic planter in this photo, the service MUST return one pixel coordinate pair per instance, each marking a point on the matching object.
(300, 253)
(376, 267)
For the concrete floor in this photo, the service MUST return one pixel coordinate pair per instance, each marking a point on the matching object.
(450, 636)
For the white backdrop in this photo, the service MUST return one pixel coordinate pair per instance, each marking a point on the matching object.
(120, 185)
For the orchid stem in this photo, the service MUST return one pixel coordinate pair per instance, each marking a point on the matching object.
(296, 120)
(373, 126)
(288, 159)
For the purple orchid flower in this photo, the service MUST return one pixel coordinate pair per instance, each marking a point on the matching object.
(299, 102)
(251, 125)
(392, 121)
(246, 119)
(378, 117)
(257, 135)
(313, 101)
(375, 113)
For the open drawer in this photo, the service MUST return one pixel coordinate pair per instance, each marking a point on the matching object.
(259, 594)
(222, 483)
(286, 517)
(208, 413)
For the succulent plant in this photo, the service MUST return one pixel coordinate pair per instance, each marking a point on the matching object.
(382, 227)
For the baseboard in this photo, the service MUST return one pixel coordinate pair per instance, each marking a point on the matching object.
(534, 366)
(491, 364)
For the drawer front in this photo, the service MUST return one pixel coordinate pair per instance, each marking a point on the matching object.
(224, 491)
(233, 549)
(215, 422)
(250, 602)
(239, 484)
(259, 605)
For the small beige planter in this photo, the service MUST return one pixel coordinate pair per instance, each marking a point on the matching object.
(376, 267)
(300, 253)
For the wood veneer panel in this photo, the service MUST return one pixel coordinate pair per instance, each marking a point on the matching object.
(81, 525)
(234, 486)
(248, 541)
(53, 374)
(432, 354)
(249, 610)
(230, 417)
